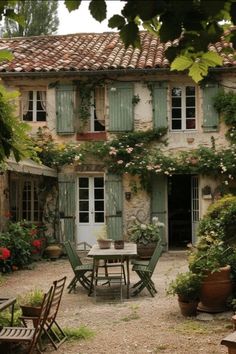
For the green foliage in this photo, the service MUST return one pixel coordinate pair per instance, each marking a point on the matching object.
(33, 298)
(216, 246)
(22, 240)
(39, 18)
(225, 103)
(170, 20)
(186, 285)
(145, 233)
(79, 333)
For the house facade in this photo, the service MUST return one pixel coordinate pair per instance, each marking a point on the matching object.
(87, 89)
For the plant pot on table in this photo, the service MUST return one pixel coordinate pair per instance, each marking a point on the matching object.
(146, 250)
(104, 244)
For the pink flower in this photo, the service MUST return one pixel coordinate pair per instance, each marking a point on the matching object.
(120, 162)
(129, 150)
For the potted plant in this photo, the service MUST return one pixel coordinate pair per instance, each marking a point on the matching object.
(53, 249)
(31, 302)
(102, 240)
(146, 236)
(187, 286)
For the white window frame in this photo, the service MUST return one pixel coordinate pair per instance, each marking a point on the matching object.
(183, 108)
(34, 110)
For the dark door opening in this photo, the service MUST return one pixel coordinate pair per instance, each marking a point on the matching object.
(179, 211)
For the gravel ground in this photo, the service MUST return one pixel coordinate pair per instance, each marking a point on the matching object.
(135, 326)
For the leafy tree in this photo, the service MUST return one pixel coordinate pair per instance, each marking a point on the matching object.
(39, 17)
(195, 23)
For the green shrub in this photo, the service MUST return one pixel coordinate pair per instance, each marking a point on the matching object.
(186, 285)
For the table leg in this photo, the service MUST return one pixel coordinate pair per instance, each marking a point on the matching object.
(128, 279)
(92, 277)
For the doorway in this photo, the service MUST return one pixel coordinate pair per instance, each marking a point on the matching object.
(179, 211)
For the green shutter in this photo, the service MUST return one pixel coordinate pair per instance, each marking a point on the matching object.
(210, 115)
(114, 206)
(67, 206)
(158, 202)
(121, 107)
(65, 95)
(159, 101)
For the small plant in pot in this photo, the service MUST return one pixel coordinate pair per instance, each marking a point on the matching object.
(102, 240)
(187, 286)
(30, 303)
(146, 235)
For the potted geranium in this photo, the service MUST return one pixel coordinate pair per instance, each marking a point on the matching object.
(146, 235)
(187, 286)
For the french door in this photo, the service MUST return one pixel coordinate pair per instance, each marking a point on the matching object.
(90, 208)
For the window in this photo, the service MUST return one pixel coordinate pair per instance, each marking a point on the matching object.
(24, 199)
(97, 116)
(34, 106)
(183, 108)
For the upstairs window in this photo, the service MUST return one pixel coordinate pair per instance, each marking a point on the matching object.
(183, 108)
(97, 116)
(34, 106)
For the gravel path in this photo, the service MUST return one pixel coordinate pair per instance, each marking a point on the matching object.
(136, 326)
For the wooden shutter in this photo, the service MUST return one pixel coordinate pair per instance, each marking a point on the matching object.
(210, 115)
(67, 206)
(159, 101)
(65, 97)
(121, 107)
(114, 206)
(159, 202)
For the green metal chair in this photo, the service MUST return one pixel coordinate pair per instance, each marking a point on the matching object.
(82, 272)
(145, 270)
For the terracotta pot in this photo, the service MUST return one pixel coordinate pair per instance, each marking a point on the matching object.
(103, 244)
(119, 244)
(188, 308)
(215, 290)
(30, 311)
(53, 251)
(146, 251)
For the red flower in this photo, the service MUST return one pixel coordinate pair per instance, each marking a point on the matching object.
(4, 253)
(37, 243)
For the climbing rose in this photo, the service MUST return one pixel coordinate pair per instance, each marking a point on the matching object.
(37, 243)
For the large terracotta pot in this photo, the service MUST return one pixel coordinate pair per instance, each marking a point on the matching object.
(188, 308)
(215, 290)
(53, 251)
(146, 251)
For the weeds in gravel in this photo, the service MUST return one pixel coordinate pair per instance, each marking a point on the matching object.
(196, 327)
(79, 333)
(133, 315)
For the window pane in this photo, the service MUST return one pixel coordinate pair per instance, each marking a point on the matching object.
(190, 101)
(41, 116)
(83, 182)
(99, 217)
(84, 217)
(176, 124)
(99, 205)
(83, 205)
(28, 116)
(190, 112)
(99, 193)
(190, 91)
(176, 113)
(190, 124)
(176, 92)
(98, 182)
(176, 101)
(83, 194)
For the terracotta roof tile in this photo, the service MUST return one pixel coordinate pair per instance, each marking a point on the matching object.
(90, 51)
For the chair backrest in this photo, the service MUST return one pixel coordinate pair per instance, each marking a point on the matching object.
(58, 287)
(156, 255)
(44, 310)
(72, 255)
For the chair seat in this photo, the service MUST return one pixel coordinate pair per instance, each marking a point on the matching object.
(17, 334)
(139, 262)
(142, 268)
(85, 267)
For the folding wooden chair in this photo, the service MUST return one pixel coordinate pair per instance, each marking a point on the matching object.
(145, 271)
(51, 327)
(30, 336)
(82, 272)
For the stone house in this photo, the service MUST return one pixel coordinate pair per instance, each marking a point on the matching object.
(130, 90)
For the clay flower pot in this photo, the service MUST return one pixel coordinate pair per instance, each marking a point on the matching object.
(103, 244)
(119, 244)
(188, 308)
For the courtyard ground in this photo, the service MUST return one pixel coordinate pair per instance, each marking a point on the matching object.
(135, 326)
